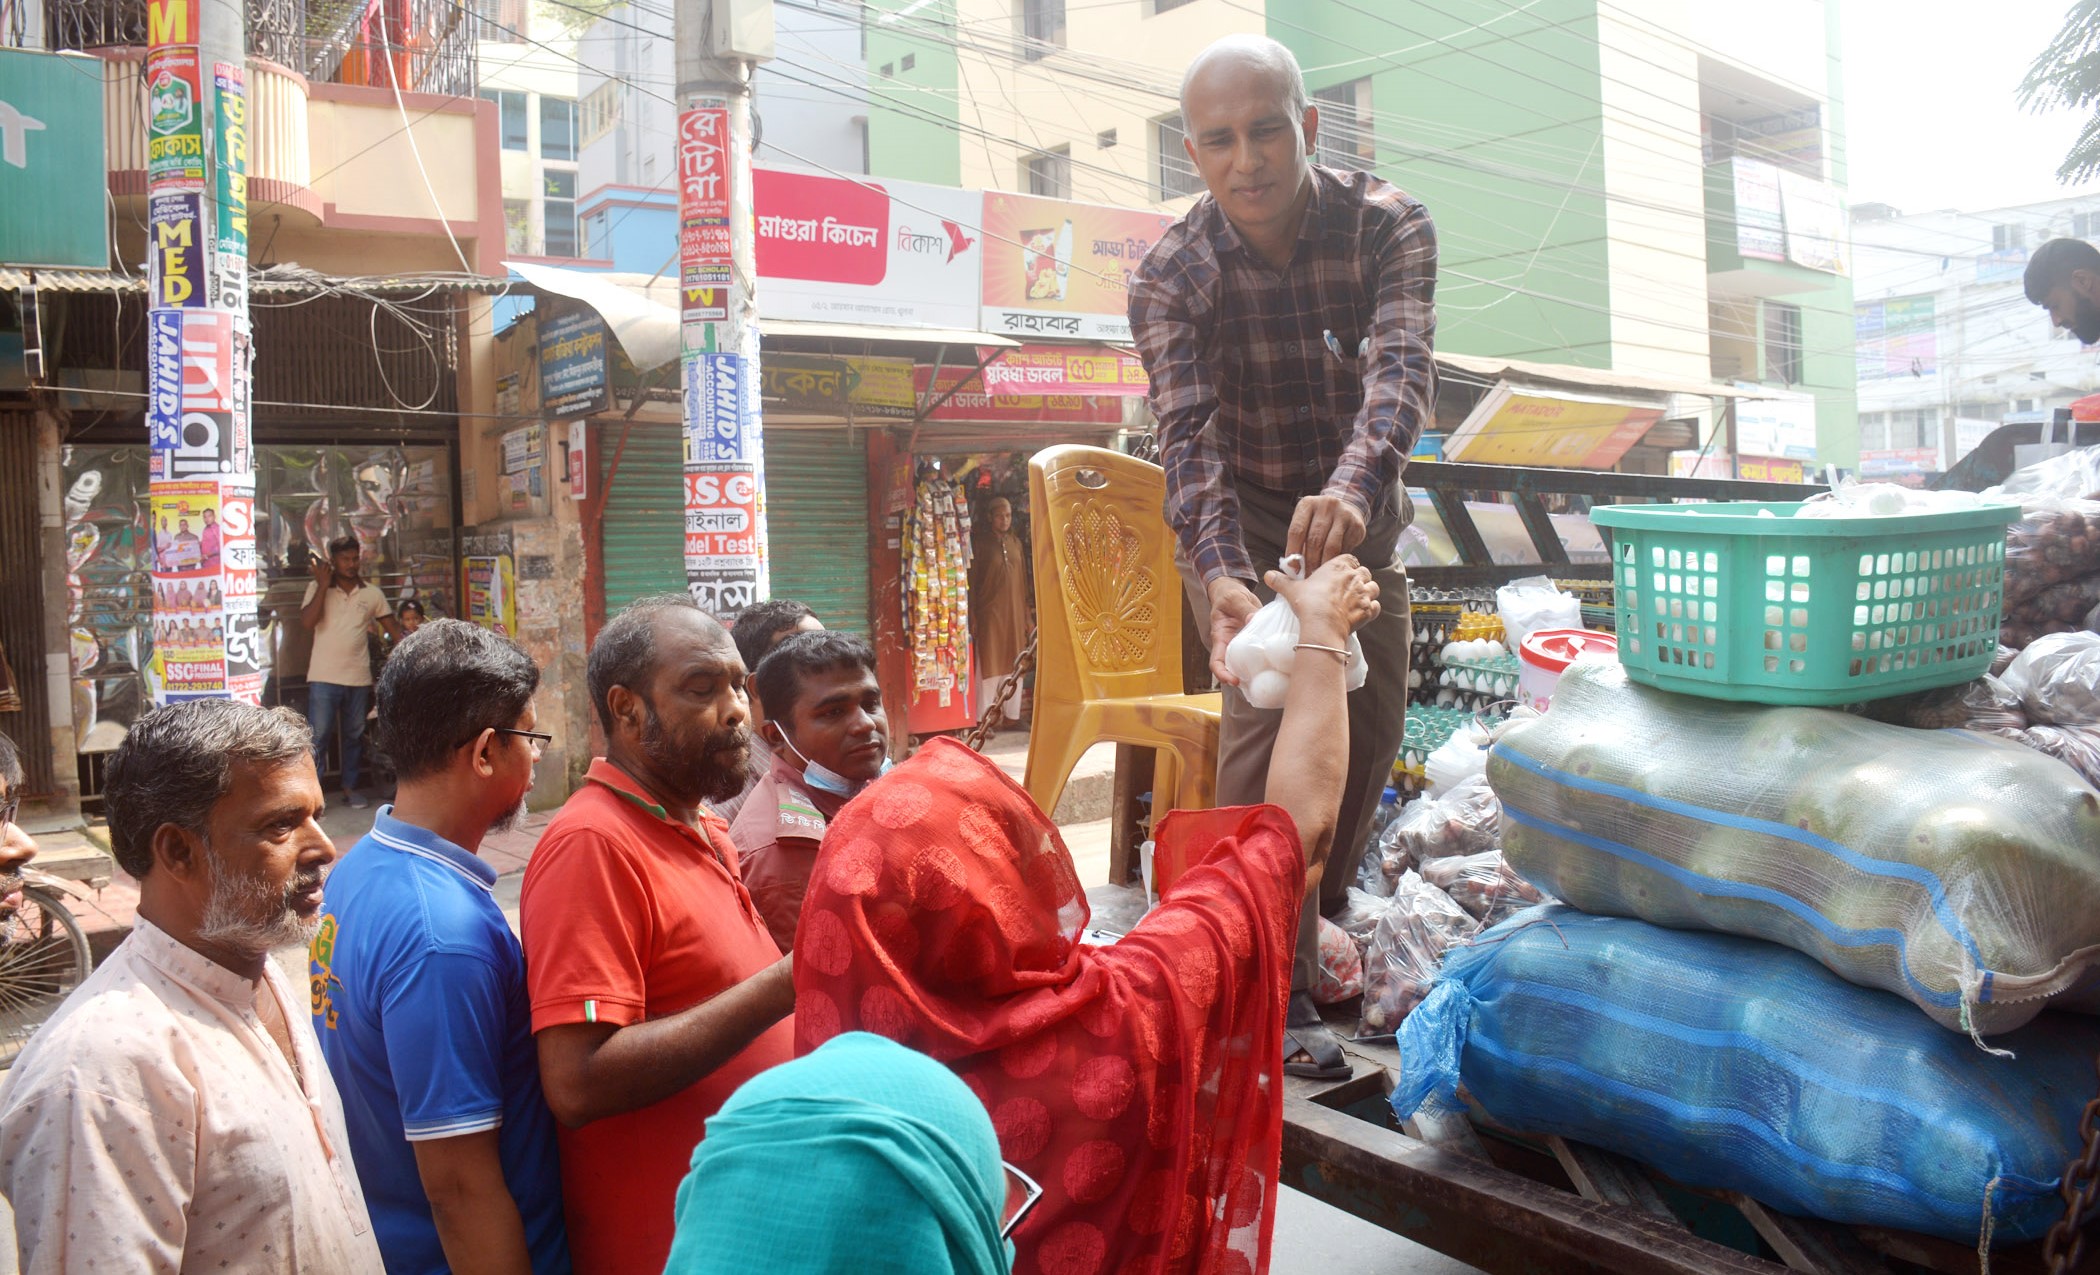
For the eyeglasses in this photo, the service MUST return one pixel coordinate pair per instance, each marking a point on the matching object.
(540, 739)
(1022, 1193)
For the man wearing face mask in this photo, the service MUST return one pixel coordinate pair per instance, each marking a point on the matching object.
(2063, 277)
(829, 736)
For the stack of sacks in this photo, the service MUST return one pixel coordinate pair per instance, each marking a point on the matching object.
(1731, 1064)
(1957, 872)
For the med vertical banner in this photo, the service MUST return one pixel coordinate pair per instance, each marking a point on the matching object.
(725, 554)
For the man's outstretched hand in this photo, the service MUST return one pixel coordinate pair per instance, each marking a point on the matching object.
(1323, 527)
(1232, 604)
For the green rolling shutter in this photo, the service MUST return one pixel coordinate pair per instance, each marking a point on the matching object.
(817, 524)
(644, 530)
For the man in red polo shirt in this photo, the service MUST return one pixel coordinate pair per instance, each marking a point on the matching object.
(655, 987)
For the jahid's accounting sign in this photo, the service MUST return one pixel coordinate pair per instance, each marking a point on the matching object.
(53, 208)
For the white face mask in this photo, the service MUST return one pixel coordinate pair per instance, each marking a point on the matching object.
(824, 778)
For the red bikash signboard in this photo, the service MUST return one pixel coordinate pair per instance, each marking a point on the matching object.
(886, 253)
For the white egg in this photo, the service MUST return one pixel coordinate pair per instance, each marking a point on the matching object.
(1283, 652)
(1268, 689)
(1246, 658)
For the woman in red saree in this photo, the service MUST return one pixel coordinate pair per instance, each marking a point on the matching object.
(1139, 1084)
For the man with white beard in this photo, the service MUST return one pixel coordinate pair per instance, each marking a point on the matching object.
(419, 985)
(175, 1114)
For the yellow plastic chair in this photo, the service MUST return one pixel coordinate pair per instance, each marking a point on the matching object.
(1108, 617)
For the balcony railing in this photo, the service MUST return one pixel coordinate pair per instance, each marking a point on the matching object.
(422, 46)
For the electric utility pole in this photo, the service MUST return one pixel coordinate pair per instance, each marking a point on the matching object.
(199, 354)
(717, 44)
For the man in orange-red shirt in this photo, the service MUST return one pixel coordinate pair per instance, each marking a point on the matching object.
(655, 987)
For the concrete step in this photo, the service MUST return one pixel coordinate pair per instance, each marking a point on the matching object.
(1089, 794)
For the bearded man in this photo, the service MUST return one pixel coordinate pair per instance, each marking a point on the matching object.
(656, 988)
(2063, 277)
(175, 1113)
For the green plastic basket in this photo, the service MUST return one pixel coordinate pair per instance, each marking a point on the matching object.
(1720, 601)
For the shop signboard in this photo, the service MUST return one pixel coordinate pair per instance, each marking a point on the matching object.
(1896, 338)
(574, 378)
(1899, 462)
(870, 386)
(1062, 269)
(1053, 369)
(1760, 223)
(1514, 425)
(1770, 469)
(1784, 427)
(971, 403)
(175, 107)
(1816, 235)
(888, 253)
(703, 214)
(53, 202)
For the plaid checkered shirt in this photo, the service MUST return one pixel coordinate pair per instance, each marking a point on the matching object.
(1247, 383)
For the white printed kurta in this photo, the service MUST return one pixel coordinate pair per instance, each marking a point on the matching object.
(152, 1125)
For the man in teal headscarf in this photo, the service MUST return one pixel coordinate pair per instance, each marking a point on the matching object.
(864, 1156)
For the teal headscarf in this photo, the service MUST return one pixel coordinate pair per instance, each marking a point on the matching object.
(864, 1156)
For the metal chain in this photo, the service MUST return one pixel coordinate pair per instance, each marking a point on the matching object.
(2065, 1245)
(989, 718)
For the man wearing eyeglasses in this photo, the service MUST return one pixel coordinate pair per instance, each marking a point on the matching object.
(419, 985)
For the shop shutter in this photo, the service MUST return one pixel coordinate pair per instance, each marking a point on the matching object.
(22, 596)
(644, 531)
(817, 523)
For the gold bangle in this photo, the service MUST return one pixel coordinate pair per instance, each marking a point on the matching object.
(1337, 652)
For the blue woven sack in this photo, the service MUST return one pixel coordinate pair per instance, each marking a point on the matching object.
(1734, 1064)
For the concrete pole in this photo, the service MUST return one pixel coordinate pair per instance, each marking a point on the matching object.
(715, 44)
(199, 354)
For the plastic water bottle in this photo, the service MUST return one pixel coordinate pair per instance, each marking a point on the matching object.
(1388, 810)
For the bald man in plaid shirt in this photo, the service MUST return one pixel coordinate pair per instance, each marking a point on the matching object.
(1286, 323)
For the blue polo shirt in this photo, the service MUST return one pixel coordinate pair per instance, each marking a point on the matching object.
(419, 999)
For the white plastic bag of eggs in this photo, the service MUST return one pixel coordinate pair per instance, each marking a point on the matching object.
(1264, 653)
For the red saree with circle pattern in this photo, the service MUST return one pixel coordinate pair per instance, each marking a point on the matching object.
(1141, 1083)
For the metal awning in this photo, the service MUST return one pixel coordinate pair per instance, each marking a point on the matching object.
(1591, 378)
(276, 281)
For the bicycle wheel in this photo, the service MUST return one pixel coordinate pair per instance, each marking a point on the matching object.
(43, 957)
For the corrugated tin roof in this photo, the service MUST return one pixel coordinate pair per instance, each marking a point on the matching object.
(267, 283)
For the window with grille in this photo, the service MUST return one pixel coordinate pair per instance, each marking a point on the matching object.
(1048, 173)
(2083, 225)
(558, 128)
(517, 226)
(560, 214)
(1347, 136)
(1782, 343)
(1172, 172)
(1042, 28)
(2008, 238)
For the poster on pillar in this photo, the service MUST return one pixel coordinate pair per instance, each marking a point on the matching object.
(229, 264)
(189, 600)
(725, 566)
(175, 107)
(247, 660)
(704, 260)
(197, 413)
(175, 260)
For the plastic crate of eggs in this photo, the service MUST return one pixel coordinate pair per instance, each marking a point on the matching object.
(1481, 670)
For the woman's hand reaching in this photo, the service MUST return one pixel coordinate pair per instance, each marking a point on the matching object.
(1332, 602)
